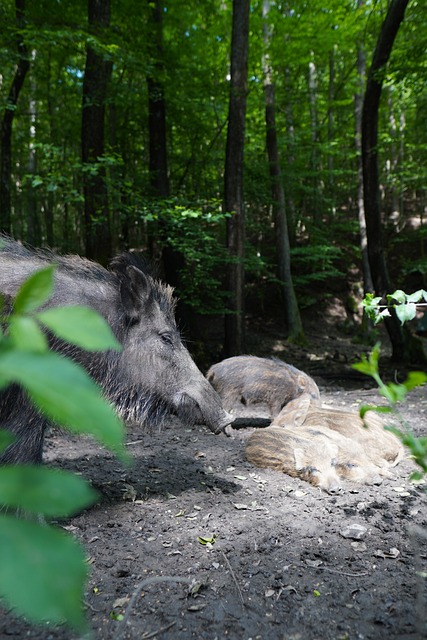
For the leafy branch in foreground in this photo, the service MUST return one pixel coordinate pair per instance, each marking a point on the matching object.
(396, 393)
(42, 568)
(405, 305)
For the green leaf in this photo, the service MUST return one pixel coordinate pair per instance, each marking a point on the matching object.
(80, 326)
(42, 572)
(406, 312)
(41, 490)
(35, 291)
(393, 392)
(369, 366)
(204, 540)
(415, 379)
(399, 296)
(6, 439)
(65, 393)
(417, 296)
(378, 409)
(385, 313)
(26, 334)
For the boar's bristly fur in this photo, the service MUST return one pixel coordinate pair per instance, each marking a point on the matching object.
(152, 376)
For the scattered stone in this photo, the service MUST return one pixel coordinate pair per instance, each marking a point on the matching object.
(354, 531)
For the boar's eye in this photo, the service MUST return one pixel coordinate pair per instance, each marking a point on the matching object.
(166, 339)
(311, 470)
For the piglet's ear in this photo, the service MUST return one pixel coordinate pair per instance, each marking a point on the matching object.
(136, 291)
(300, 459)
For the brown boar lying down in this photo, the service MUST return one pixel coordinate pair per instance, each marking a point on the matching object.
(246, 384)
(324, 446)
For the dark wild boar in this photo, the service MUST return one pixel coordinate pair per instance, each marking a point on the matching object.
(152, 376)
(249, 381)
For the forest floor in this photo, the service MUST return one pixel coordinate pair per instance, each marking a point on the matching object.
(286, 560)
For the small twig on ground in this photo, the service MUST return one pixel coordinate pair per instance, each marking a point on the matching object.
(343, 573)
(234, 578)
(145, 636)
(137, 591)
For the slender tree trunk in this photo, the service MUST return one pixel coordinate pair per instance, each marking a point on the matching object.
(331, 129)
(400, 338)
(290, 132)
(21, 70)
(34, 235)
(158, 161)
(233, 177)
(95, 90)
(292, 314)
(368, 285)
(314, 160)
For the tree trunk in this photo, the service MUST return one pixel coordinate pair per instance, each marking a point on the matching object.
(400, 338)
(158, 162)
(292, 314)
(95, 90)
(331, 131)
(34, 232)
(368, 285)
(291, 150)
(233, 178)
(22, 67)
(314, 160)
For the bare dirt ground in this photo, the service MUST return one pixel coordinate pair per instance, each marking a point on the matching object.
(285, 560)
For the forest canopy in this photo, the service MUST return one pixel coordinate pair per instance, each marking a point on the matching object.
(114, 121)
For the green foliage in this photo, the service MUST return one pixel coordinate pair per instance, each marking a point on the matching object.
(42, 569)
(405, 305)
(395, 393)
(197, 234)
(315, 126)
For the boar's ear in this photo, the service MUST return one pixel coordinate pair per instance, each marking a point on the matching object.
(299, 457)
(136, 291)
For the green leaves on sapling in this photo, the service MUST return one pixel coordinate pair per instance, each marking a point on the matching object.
(405, 305)
(75, 324)
(42, 569)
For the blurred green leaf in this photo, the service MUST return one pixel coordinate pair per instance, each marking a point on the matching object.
(40, 490)
(35, 291)
(80, 326)
(50, 564)
(406, 312)
(26, 335)
(6, 439)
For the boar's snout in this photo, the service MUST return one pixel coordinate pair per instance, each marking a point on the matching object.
(334, 488)
(329, 481)
(207, 411)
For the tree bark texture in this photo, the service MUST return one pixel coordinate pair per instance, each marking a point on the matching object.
(368, 285)
(158, 161)
(233, 177)
(399, 336)
(97, 76)
(292, 314)
(21, 70)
